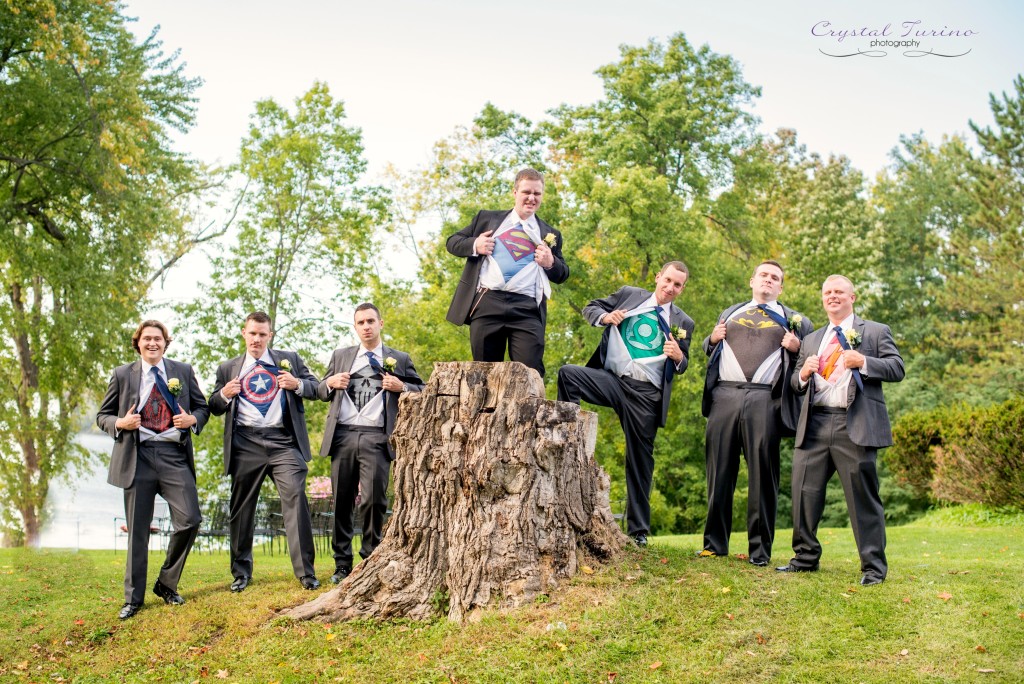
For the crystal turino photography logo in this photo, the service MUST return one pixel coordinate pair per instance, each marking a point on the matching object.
(911, 38)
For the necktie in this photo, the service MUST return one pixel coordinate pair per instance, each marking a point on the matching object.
(374, 364)
(165, 391)
(661, 321)
(774, 316)
(670, 366)
(841, 338)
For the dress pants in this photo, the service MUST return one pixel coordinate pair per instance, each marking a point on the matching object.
(160, 468)
(507, 319)
(255, 454)
(827, 449)
(743, 417)
(359, 457)
(638, 406)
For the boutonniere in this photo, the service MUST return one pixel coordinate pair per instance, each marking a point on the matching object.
(390, 363)
(174, 386)
(677, 332)
(285, 365)
(853, 337)
(795, 321)
(550, 239)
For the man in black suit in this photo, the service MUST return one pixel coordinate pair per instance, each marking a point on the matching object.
(842, 425)
(261, 392)
(750, 407)
(512, 257)
(645, 344)
(151, 408)
(362, 383)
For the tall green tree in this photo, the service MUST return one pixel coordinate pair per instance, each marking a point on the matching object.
(90, 194)
(303, 248)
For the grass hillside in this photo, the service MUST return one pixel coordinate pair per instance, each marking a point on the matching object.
(951, 610)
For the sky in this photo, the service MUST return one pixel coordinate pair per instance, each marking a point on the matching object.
(410, 71)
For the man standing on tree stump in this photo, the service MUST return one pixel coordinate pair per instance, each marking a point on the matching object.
(152, 407)
(842, 425)
(265, 435)
(646, 343)
(750, 407)
(362, 383)
(512, 257)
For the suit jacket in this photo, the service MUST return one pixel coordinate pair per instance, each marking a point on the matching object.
(461, 244)
(867, 420)
(294, 413)
(629, 298)
(341, 362)
(790, 401)
(122, 392)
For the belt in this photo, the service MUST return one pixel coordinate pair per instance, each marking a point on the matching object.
(361, 428)
(258, 430)
(829, 409)
(745, 385)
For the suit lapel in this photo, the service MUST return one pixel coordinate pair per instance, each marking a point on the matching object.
(134, 383)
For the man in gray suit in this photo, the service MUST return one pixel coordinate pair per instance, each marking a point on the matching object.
(151, 408)
(645, 344)
(265, 435)
(362, 383)
(512, 257)
(842, 425)
(750, 407)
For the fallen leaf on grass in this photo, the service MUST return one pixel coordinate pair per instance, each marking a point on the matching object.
(561, 646)
(329, 636)
(729, 616)
(587, 570)
(906, 599)
(979, 648)
(23, 665)
(422, 657)
(761, 640)
(905, 652)
(222, 674)
(945, 596)
(663, 561)
(986, 670)
(726, 590)
(79, 622)
(655, 665)
(612, 676)
(751, 653)
(742, 556)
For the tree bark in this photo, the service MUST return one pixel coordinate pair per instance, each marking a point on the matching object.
(497, 499)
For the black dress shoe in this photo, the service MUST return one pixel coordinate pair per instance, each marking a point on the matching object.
(869, 580)
(240, 583)
(340, 574)
(794, 568)
(760, 564)
(129, 610)
(309, 582)
(169, 596)
(640, 540)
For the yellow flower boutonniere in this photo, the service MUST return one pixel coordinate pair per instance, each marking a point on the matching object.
(550, 239)
(285, 365)
(390, 364)
(174, 386)
(677, 332)
(853, 337)
(795, 321)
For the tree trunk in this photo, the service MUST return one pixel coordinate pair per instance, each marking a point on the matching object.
(497, 498)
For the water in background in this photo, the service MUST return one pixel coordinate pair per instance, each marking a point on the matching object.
(84, 510)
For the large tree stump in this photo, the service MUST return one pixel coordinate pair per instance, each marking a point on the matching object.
(497, 497)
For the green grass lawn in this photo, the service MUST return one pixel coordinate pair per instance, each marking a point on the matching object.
(951, 610)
